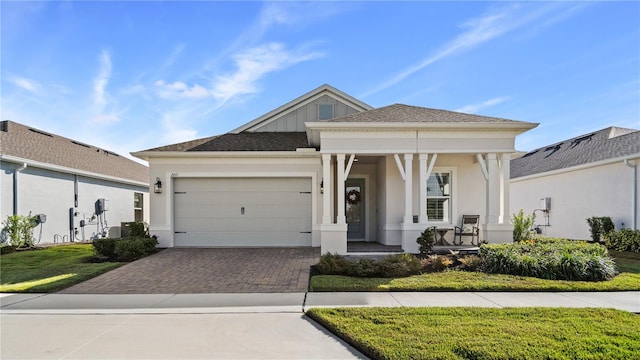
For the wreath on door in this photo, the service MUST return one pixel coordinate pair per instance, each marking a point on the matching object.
(353, 197)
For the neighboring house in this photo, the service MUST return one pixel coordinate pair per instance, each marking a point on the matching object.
(595, 174)
(327, 168)
(43, 173)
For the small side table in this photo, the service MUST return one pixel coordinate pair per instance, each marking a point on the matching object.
(442, 232)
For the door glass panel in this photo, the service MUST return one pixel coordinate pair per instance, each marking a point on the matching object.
(354, 201)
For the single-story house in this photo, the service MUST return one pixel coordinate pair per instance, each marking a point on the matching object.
(84, 191)
(326, 168)
(595, 174)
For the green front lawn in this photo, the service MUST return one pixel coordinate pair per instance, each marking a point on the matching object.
(626, 261)
(469, 281)
(50, 269)
(485, 333)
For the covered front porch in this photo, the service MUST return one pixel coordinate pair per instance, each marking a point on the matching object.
(387, 200)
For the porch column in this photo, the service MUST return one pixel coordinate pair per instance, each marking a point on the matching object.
(493, 190)
(408, 189)
(327, 185)
(422, 213)
(505, 210)
(340, 219)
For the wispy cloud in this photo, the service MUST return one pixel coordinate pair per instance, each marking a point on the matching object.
(255, 63)
(101, 81)
(474, 108)
(26, 84)
(179, 89)
(479, 30)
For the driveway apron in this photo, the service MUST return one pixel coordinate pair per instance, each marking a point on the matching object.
(203, 270)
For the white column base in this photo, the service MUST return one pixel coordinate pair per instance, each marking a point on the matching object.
(333, 239)
(410, 234)
(497, 233)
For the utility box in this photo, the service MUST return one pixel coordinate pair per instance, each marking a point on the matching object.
(101, 205)
(545, 203)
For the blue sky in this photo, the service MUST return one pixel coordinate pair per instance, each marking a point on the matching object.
(128, 76)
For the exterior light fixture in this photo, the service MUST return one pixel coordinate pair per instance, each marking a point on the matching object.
(157, 187)
(322, 186)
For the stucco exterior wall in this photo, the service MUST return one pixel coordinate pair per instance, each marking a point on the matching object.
(48, 192)
(575, 196)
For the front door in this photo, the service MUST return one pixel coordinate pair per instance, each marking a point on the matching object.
(354, 208)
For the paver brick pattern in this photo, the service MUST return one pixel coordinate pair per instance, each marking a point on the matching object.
(205, 270)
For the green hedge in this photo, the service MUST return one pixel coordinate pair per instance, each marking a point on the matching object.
(553, 259)
(624, 240)
(127, 249)
(399, 265)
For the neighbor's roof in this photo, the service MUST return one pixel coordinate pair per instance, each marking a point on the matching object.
(24, 142)
(400, 113)
(609, 143)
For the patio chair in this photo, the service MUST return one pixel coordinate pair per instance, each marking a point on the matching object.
(468, 227)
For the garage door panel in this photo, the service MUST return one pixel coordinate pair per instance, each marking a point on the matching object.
(242, 212)
(250, 211)
(242, 184)
(256, 239)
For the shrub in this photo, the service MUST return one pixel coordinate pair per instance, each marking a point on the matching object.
(19, 229)
(126, 249)
(333, 264)
(391, 266)
(426, 241)
(399, 265)
(598, 226)
(624, 240)
(134, 248)
(138, 229)
(522, 226)
(105, 248)
(438, 263)
(553, 259)
(470, 262)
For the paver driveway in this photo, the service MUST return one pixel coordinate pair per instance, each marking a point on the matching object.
(197, 270)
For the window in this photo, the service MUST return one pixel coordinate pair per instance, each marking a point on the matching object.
(137, 207)
(325, 111)
(439, 200)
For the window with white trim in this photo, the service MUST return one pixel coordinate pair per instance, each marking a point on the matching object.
(439, 197)
(138, 213)
(325, 111)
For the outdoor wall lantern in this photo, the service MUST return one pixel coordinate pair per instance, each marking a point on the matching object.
(157, 187)
(322, 186)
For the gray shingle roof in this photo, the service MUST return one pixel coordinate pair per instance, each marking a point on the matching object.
(33, 144)
(609, 143)
(399, 113)
(255, 141)
(184, 146)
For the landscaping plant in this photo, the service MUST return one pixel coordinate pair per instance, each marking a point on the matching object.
(624, 240)
(600, 226)
(127, 249)
(426, 240)
(523, 226)
(555, 259)
(19, 230)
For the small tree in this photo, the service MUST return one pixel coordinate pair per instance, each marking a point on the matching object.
(426, 240)
(598, 226)
(523, 226)
(19, 229)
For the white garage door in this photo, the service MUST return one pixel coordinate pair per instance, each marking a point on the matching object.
(242, 212)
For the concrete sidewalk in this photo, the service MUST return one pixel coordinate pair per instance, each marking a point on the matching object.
(299, 302)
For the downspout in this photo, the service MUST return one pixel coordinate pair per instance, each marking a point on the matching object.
(634, 192)
(15, 187)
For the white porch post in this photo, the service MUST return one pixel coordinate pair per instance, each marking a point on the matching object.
(497, 228)
(493, 190)
(505, 210)
(340, 219)
(408, 189)
(422, 214)
(327, 185)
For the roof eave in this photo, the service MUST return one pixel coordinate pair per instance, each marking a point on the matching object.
(516, 126)
(301, 153)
